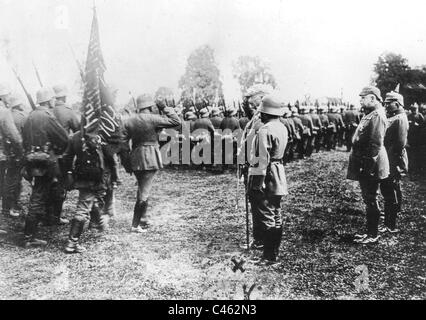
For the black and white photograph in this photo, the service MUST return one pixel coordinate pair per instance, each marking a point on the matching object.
(212, 150)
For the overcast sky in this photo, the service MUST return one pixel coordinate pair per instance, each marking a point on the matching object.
(315, 47)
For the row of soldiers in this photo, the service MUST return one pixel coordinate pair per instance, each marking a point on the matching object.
(49, 149)
(309, 128)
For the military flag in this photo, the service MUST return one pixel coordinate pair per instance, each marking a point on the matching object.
(99, 116)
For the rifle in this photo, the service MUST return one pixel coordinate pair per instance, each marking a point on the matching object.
(38, 75)
(30, 99)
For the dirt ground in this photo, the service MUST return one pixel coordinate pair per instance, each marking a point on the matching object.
(197, 231)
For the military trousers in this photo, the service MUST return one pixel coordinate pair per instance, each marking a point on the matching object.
(12, 187)
(89, 201)
(145, 180)
(391, 191)
(266, 213)
(109, 207)
(43, 194)
(370, 192)
(3, 168)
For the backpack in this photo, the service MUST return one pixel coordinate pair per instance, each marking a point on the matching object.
(89, 166)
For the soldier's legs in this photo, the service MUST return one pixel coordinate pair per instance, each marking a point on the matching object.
(36, 209)
(88, 202)
(255, 203)
(370, 190)
(56, 202)
(318, 142)
(271, 222)
(12, 191)
(145, 180)
(310, 146)
(109, 207)
(388, 188)
(3, 167)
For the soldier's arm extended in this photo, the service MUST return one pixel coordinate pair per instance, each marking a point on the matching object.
(170, 119)
(57, 135)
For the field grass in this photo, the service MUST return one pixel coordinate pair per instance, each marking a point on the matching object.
(197, 231)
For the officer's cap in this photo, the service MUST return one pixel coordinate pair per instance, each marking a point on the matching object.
(394, 96)
(144, 101)
(270, 105)
(371, 90)
(45, 94)
(4, 89)
(60, 91)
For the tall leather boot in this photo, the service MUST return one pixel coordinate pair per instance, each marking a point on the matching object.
(137, 216)
(144, 220)
(75, 233)
(277, 240)
(268, 245)
(30, 231)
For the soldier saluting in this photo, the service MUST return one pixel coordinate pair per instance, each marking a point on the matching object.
(143, 128)
(44, 139)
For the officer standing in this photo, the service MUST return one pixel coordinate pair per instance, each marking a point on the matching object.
(143, 128)
(13, 179)
(395, 142)
(368, 162)
(44, 139)
(8, 132)
(267, 182)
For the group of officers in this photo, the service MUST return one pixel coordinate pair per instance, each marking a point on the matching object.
(49, 150)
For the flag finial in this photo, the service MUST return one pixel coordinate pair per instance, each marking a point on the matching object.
(397, 88)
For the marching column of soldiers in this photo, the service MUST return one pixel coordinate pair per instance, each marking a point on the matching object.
(47, 149)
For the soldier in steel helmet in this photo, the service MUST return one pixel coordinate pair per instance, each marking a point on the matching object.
(142, 129)
(267, 182)
(13, 178)
(8, 132)
(44, 140)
